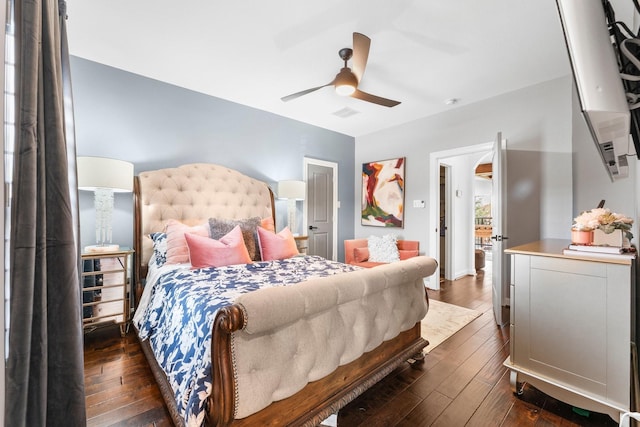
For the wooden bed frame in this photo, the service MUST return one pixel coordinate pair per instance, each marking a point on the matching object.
(310, 406)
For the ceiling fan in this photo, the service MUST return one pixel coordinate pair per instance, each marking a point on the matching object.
(346, 81)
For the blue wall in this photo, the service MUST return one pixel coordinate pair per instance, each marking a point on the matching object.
(155, 125)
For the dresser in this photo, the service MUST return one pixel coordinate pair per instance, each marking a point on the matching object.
(573, 327)
(106, 280)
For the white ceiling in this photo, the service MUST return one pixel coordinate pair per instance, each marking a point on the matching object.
(252, 52)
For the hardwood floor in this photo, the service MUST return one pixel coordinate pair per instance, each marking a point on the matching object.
(462, 381)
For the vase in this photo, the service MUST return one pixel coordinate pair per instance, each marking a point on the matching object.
(600, 238)
(581, 237)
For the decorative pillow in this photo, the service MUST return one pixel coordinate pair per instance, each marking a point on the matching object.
(177, 251)
(267, 224)
(159, 249)
(206, 252)
(276, 246)
(383, 249)
(360, 254)
(220, 227)
(407, 253)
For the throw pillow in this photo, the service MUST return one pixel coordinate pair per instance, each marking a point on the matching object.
(276, 246)
(220, 227)
(159, 249)
(177, 251)
(407, 253)
(207, 252)
(383, 248)
(267, 224)
(360, 254)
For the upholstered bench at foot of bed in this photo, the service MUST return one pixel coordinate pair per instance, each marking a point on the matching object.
(321, 324)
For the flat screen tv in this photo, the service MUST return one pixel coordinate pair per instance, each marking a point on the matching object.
(595, 60)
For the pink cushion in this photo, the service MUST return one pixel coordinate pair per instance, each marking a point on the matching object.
(177, 251)
(406, 254)
(360, 254)
(267, 224)
(276, 246)
(206, 252)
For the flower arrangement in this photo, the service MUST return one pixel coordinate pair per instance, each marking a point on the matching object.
(603, 219)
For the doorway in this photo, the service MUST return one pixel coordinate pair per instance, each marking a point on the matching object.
(483, 214)
(462, 213)
(320, 207)
(455, 235)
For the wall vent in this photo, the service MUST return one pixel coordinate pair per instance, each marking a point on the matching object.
(346, 112)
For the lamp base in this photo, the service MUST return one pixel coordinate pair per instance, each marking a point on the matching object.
(101, 248)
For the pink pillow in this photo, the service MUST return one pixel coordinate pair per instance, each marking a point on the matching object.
(276, 246)
(229, 250)
(177, 251)
(407, 253)
(267, 224)
(360, 254)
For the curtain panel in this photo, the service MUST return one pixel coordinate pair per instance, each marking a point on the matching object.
(45, 380)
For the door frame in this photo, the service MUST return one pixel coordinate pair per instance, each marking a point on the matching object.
(435, 159)
(306, 161)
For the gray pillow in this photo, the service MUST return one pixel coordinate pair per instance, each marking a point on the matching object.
(249, 227)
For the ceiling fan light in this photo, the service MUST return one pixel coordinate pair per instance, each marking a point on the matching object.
(345, 82)
(345, 89)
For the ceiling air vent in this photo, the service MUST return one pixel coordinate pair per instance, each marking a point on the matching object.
(346, 112)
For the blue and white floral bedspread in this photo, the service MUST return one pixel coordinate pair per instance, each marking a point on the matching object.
(179, 318)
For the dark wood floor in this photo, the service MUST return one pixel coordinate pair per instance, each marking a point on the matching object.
(461, 383)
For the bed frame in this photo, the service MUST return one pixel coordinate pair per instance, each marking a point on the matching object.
(193, 193)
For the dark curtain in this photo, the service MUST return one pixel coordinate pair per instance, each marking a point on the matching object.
(44, 380)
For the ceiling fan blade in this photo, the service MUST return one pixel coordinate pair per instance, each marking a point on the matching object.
(303, 92)
(364, 96)
(361, 45)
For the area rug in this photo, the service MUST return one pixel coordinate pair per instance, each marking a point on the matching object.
(444, 320)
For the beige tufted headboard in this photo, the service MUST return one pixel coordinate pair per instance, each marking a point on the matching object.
(192, 194)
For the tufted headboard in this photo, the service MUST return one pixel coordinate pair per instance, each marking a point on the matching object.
(192, 194)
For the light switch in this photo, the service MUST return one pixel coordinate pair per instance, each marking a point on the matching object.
(418, 204)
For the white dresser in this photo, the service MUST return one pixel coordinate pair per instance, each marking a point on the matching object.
(573, 326)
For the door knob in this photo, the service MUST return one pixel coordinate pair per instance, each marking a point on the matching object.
(311, 227)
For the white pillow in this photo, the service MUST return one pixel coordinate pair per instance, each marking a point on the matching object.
(383, 249)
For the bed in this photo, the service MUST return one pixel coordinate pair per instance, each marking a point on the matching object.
(283, 354)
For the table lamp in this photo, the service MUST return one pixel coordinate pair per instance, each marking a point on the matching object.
(104, 176)
(292, 191)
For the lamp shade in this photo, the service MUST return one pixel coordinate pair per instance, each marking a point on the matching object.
(101, 172)
(292, 190)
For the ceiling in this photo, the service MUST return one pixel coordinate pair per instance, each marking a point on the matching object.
(423, 52)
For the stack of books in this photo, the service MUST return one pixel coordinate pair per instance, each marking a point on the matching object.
(604, 252)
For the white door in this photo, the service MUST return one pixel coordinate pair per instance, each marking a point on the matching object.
(498, 207)
(320, 208)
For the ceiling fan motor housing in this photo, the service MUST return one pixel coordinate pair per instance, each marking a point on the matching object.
(345, 82)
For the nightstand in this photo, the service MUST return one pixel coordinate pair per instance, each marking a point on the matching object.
(106, 281)
(302, 243)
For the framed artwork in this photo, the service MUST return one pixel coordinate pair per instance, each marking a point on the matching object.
(383, 193)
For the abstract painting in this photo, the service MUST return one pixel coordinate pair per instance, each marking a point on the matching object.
(383, 193)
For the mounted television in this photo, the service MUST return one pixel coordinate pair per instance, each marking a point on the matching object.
(595, 64)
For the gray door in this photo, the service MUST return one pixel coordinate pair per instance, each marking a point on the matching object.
(320, 210)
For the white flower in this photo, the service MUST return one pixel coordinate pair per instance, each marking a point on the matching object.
(602, 219)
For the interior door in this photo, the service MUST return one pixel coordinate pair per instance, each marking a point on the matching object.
(498, 205)
(320, 210)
